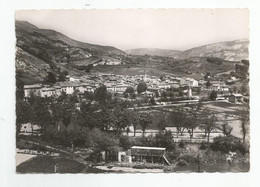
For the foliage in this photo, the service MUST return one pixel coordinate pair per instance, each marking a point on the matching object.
(125, 142)
(130, 90)
(144, 119)
(244, 120)
(40, 113)
(213, 95)
(227, 144)
(178, 119)
(181, 144)
(208, 84)
(165, 139)
(226, 129)
(141, 87)
(101, 94)
(134, 119)
(51, 78)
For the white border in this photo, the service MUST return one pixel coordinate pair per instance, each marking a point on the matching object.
(9, 178)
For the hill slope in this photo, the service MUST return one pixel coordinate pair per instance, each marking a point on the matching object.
(231, 51)
(40, 51)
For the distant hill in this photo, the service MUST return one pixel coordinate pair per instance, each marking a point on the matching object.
(232, 51)
(153, 52)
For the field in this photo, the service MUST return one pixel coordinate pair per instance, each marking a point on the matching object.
(140, 70)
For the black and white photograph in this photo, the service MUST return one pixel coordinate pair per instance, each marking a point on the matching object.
(119, 91)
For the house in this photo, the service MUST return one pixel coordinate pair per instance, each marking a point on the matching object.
(48, 92)
(34, 89)
(29, 128)
(148, 154)
(234, 98)
(215, 87)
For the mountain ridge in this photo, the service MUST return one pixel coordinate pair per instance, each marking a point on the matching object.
(234, 50)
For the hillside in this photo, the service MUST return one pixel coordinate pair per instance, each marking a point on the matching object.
(40, 51)
(152, 52)
(231, 51)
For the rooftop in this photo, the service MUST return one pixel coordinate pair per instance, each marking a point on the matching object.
(150, 148)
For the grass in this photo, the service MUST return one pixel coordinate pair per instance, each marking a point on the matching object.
(223, 104)
(46, 164)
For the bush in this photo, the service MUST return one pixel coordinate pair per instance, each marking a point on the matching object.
(173, 155)
(125, 142)
(181, 144)
(202, 146)
(182, 162)
(227, 144)
(187, 158)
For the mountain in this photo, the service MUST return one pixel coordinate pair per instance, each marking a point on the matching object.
(24, 27)
(40, 51)
(153, 52)
(231, 51)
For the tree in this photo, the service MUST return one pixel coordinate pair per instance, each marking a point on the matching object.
(90, 117)
(207, 76)
(144, 119)
(57, 114)
(178, 119)
(213, 95)
(244, 121)
(134, 117)
(226, 129)
(209, 124)
(194, 118)
(130, 90)
(19, 88)
(120, 118)
(23, 111)
(51, 78)
(101, 94)
(165, 139)
(141, 87)
(208, 84)
(40, 114)
(89, 96)
(162, 122)
(152, 101)
(67, 111)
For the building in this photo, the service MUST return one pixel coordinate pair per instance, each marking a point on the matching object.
(234, 98)
(32, 89)
(148, 154)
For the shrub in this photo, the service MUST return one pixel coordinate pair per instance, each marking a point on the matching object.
(125, 142)
(173, 155)
(187, 158)
(202, 146)
(182, 162)
(227, 144)
(181, 144)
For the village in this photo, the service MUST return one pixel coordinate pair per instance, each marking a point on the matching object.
(155, 86)
(132, 97)
(161, 94)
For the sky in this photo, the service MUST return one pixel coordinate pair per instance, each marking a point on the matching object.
(176, 29)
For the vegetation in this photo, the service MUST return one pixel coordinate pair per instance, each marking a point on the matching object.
(141, 87)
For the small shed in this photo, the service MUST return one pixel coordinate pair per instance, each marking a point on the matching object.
(148, 154)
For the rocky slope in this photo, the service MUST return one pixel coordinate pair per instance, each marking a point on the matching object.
(231, 51)
(40, 51)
